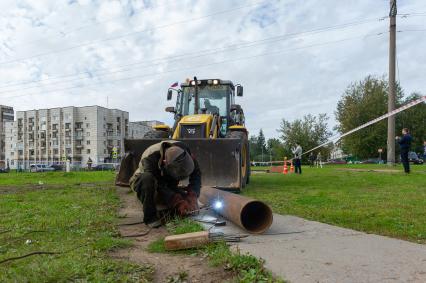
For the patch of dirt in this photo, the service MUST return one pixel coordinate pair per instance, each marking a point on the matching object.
(166, 265)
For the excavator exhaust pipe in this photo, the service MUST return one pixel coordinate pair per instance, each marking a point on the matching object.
(250, 214)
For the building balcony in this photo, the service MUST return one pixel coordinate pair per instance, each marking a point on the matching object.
(79, 129)
(68, 145)
(110, 145)
(78, 146)
(54, 130)
(67, 129)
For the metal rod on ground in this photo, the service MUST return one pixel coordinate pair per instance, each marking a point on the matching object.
(252, 215)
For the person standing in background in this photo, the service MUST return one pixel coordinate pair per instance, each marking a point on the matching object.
(297, 159)
(319, 161)
(311, 159)
(405, 145)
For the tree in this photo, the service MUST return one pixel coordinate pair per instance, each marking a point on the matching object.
(275, 149)
(261, 144)
(366, 100)
(254, 151)
(309, 132)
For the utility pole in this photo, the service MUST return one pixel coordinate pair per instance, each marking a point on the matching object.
(392, 88)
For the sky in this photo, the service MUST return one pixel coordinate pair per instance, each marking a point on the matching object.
(293, 57)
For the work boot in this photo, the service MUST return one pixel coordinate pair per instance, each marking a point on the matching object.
(154, 224)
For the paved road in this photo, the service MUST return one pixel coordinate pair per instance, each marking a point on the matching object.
(325, 253)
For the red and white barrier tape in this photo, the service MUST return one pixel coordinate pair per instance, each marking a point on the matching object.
(387, 115)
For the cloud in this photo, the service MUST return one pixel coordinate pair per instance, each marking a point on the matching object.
(285, 78)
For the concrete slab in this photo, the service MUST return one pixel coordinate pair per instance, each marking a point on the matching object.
(299, 250)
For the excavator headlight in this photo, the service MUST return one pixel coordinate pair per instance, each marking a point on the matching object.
(193, 82)
(215, 82)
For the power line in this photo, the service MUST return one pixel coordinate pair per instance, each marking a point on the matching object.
(131, 33)
(200, 53)
(202, 65)
(94, 23)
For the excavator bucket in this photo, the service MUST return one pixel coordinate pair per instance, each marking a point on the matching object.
(219, 160)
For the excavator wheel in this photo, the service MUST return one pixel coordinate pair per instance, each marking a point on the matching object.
(156, 134)
(245, 157)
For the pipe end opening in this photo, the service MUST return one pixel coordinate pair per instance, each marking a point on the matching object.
(256, 217)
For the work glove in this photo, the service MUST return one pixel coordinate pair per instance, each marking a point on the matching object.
(180, 205)
(192, 200)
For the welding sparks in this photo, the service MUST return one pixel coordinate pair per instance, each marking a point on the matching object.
(218, 204)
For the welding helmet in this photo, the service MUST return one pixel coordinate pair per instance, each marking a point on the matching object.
(178, 163)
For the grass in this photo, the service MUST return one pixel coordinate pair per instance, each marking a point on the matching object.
(76, 221)
(56, 178)
(390, 203)
(245, 267)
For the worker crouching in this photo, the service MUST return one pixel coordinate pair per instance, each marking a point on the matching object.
(161, 168)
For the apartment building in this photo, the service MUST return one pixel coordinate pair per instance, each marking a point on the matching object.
(74, 133)
(138, 129)
(152, 123)
(6, 115)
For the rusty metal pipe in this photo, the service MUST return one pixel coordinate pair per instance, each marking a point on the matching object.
(250, 214)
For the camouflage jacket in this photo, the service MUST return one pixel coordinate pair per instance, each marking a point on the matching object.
(151, 161)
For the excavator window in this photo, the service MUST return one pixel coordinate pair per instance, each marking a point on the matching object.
(214, 99)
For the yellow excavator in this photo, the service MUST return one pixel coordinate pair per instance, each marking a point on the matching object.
(209, 121)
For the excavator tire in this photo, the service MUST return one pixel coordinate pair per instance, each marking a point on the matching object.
(245, 156)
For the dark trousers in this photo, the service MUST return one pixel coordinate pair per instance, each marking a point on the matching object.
(146, 188)
(404, 160)
(297, 166)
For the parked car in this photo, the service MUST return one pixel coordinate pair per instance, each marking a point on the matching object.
(4, 170)
(104, 167)
(40, 168)
(414, 158)
(371, 161)
(336, 161)
(57, 167)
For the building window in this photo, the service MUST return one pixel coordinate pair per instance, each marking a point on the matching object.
(88, 134)
(88, 151)
(88, 142)
(87, 125)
